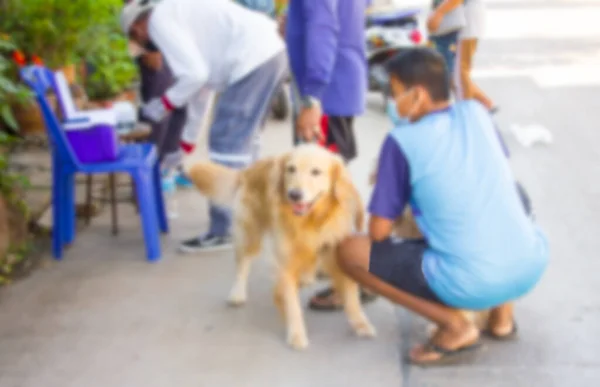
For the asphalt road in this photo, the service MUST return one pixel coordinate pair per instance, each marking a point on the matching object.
(540, 62)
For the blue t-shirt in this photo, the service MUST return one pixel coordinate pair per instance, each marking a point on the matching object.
(451, 169)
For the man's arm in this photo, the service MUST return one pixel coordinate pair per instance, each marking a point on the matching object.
(392, 190)
(196, 110)
(322, 29)
(179, 49)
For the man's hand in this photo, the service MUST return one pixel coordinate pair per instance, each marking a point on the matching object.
(380, 228)
(434, 21)
(153, 60)
(308, 124)
(156, 109)
(281, 23)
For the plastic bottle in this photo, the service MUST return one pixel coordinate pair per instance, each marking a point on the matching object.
(170, 190)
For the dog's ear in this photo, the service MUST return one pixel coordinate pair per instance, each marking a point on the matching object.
(341, 181)
(279, 175)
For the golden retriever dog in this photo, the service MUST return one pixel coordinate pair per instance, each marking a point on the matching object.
(305, 202)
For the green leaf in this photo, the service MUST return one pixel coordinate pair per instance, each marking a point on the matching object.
(8, 117)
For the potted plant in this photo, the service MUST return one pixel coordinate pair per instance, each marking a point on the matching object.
(13, 95)
(53, 29)
(111, 70)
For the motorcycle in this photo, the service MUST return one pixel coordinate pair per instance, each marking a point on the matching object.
(388, 33)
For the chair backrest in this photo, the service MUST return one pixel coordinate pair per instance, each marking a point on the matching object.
(64, 96)
(40, 79)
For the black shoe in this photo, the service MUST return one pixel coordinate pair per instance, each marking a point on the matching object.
(206, 242)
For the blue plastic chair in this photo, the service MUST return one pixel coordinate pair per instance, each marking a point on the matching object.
(139, 160)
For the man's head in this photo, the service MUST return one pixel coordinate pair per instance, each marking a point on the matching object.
(419, 82)
(134, 20)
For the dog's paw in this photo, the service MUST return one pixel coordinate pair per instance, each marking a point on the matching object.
(297, 341)
(364, 329)
(237, 297)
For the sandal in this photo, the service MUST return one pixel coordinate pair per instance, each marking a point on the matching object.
(328, 304)
(512, 335)
(448, 357)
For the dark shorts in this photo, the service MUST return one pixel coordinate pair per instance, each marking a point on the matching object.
(338, 133)
(398, 262)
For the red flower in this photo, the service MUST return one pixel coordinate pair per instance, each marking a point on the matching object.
(37, 60)
(19, 58)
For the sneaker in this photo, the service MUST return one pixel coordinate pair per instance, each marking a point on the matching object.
(206, 242)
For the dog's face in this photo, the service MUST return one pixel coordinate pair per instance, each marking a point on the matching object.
(309, 174)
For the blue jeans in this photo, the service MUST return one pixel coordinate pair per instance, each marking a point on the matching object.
(447, 45)
(234, 134)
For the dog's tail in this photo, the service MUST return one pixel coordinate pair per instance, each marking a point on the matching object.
(217, 182)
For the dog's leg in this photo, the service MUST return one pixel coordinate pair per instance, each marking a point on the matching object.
(309, 277)
(350, 293)
(286, 294)
(247, 247)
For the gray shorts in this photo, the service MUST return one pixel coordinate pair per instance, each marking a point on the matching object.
(240, 111)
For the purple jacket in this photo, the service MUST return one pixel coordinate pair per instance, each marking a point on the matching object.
(326, 47)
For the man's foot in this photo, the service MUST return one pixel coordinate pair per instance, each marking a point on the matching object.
(206, 242)
(502, 333)
(447, 346)
(328, 300)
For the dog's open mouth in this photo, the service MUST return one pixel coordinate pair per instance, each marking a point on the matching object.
(301, 208)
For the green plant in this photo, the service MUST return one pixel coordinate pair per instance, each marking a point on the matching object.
(11, 91)
(111, 69)
(12, 184)
(59, 31)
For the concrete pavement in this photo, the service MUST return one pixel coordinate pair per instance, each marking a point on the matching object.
(103, 316)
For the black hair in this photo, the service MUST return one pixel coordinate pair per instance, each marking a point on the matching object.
(424, 67)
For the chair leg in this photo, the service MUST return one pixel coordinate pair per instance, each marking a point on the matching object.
(133, 197)
(113, 202)
(163, 221)
(57, 216)
(88, 199)
(69, 215)
(148, 213)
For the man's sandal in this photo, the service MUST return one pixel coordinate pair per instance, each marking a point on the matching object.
(328, 303)
(512, 335)
(448, 357)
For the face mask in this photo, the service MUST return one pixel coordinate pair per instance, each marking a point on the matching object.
(392, 112)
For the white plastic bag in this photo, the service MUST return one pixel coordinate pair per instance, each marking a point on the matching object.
(529, 135)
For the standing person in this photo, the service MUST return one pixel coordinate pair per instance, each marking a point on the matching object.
(445, 41)
(213, 46)
(468, 39)
(326, 46)
(155, 79)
